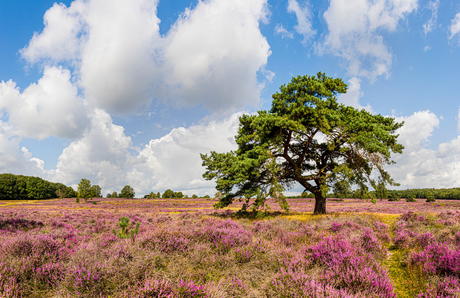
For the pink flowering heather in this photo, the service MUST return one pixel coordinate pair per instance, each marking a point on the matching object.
(64, 249)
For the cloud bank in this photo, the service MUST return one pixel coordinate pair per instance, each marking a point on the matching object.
(209, 57)
(354, 34)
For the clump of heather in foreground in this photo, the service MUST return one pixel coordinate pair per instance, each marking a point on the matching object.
(84, 252)
(429, 248)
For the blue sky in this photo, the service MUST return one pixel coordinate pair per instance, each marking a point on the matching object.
(131, 91)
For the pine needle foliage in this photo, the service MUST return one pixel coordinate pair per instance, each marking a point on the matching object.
(307, 137)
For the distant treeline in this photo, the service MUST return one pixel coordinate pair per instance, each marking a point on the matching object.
(18, 187)
(427, 193)
(170, 194)
(393, 195)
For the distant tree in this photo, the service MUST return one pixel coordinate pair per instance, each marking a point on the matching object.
(168, 194)
(151, 195)
(194, 196)
(308, 138)
(108, 195)
(178, 195)
(84, 190)
(158, 195)
(410, 198)
(114, 195)
(127, 192)
(63, 191)
(342, 189)
(430, 197)
(206, 197)
(97, 191)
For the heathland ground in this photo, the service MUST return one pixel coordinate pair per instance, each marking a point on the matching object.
(185, 248)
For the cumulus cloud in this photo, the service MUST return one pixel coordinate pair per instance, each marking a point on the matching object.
(59, 39)
(354, 29)
(354, 93)
(101, 155)
(433, 21)
(455, 26)
(174, 162)
(13, 159)
(50, 107)
(418, 166)
(214, 52)
(303, 15)
(210, 56)
(106, 156)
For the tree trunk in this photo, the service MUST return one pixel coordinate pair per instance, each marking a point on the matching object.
(320, 204)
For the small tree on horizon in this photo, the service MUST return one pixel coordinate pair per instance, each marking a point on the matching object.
(308, 138)
(84, 190)
(96, 191)
(127, 192)
(168, 194)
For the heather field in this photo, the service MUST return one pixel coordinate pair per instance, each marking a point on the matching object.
(185, 248)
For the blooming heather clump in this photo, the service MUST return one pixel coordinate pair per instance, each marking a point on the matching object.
(287, 284)
(14, 224)
(223, 235)
(243, 254)
(9, 288)
(382, 231)
(189, 289)
(237, 288)
(370, 242)
(403, 238)
(166, 241)
(85, 278)
(424, 240)
(438, 259)
(155, 287)
(40, 248)
(360, 275)
(446, 287)
(337, 227)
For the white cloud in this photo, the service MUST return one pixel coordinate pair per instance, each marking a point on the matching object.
(281, 31)
(13, 159)
(174, 162)
(210, 56)
(304, 25)
(106, 156)
(417, 129)
(101, 155)
(354, 93)
(455, 26)
(427, 48)
(59, 39)
(50, 107)
(354, 29)
(214, 52)
(420, 167)
(433, 21)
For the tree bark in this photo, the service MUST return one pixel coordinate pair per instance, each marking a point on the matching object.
(320, 204)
